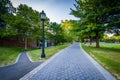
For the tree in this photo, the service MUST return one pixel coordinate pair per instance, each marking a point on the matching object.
(67, 26)
(27, 22)
(55, 33)
(31, 24)
(92, 16)
(6, 8)
(112, 15)
(74, 30)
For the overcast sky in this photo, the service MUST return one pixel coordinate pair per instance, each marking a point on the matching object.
(56, 10)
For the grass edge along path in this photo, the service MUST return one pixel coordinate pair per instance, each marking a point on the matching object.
(108, 55)
(8, 55)
(50, 51)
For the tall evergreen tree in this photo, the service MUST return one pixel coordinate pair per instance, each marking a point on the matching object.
(6, 8)
(93, 16)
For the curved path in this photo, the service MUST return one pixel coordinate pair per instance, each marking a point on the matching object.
(19, 69)
(72, 63)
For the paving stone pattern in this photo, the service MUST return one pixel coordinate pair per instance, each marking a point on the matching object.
(70, 64)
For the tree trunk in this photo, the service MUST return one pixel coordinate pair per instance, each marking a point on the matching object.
(37, 43)
(90, 40)
(25, 43)
(97, 40)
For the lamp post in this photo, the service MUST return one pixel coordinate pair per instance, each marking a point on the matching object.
(43, 17)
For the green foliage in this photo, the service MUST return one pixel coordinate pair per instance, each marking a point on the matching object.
(70, 27)
(25, 23)
(6, 8)
(55, 33)
(94, 15)
(112, 39)
(27, 19)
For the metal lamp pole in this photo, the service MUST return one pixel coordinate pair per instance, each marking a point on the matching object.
(43, 17)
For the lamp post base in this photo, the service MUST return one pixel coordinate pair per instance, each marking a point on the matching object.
(43, 55)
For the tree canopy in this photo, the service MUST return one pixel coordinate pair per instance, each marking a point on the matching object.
(26, 24)
(94, 15)
(6, 8)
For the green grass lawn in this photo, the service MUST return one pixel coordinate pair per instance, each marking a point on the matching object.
(8, 55)
(108, 55)
(50, 51)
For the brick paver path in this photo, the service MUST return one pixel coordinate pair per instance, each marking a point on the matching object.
(69, 64)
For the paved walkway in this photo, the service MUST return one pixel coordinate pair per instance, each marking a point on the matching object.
(70, 64)
(22, 66)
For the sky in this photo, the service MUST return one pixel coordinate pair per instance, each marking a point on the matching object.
(56, 10)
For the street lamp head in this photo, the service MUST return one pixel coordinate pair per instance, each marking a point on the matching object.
(43, 16)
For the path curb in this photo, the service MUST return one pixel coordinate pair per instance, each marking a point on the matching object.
(34, 71)
(31, 59)
(14, 62)
(104, 72)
